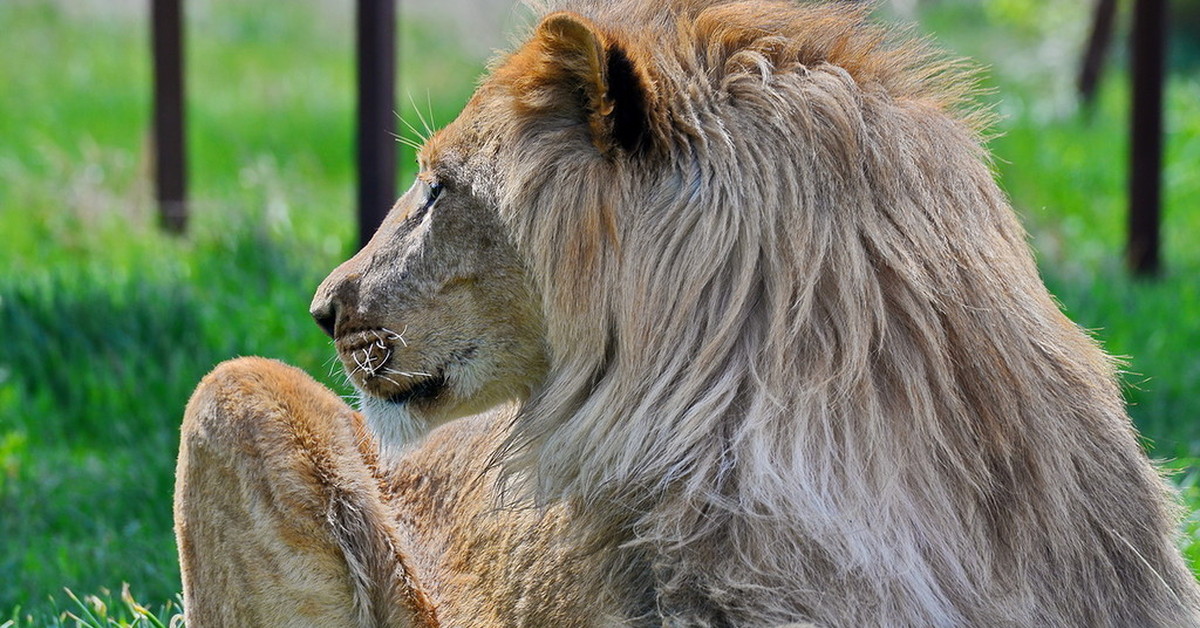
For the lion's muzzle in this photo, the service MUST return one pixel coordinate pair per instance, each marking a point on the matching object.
(375, 359)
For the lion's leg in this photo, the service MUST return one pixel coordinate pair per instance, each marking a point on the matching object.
(279, 518)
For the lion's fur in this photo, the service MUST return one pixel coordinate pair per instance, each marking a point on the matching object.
(799, 364)
(279, 514)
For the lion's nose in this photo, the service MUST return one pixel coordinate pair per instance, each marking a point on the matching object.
(326, 316)
(335, 298)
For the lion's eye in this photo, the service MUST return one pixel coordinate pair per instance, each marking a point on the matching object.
(434, 191)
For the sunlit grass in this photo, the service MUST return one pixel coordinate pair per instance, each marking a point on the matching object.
(100, 611)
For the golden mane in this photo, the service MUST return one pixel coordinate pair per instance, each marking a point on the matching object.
(714, 38)
(799, 303)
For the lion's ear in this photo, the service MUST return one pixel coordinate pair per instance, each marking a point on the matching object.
(595, 77)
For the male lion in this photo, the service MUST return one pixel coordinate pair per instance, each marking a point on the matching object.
(767, 345)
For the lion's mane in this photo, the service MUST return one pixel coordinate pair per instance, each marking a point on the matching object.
(801, 354)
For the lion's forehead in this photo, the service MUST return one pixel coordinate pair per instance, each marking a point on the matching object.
(467, 151)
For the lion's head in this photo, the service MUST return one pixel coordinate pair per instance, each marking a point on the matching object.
(597, 187)
(436, 317)
(745, 267)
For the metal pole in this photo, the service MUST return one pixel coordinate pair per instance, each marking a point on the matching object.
(170, 148)
(1103, 18)
(376, 114)
(1145, 175)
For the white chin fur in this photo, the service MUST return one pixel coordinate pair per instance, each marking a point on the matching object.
(392, 423)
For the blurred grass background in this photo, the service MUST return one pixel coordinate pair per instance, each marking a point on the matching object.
(108, 324)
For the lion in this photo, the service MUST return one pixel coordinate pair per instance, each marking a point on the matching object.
(701, 313)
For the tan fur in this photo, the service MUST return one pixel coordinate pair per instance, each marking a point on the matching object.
(769, 348)
(270, 464)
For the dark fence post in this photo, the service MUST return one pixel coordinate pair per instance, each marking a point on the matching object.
(376, 114)
(1146, 140)
(170, 149)
(1103, 18)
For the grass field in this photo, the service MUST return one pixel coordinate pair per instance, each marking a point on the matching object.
(108, 324)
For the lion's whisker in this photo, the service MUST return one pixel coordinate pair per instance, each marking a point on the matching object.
(412, 374)
(420, 117)
(410, 143)
(359, 363)
(395, 336)
(429, 108)
(424, 136)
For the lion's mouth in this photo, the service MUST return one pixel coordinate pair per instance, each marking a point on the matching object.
(370, 361)
(428, 388)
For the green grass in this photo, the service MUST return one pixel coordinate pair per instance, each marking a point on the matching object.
(1065, 170)
(100, 611)
(108, 324)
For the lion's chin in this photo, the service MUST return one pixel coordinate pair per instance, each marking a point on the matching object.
(401, 417)
(396, 425)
